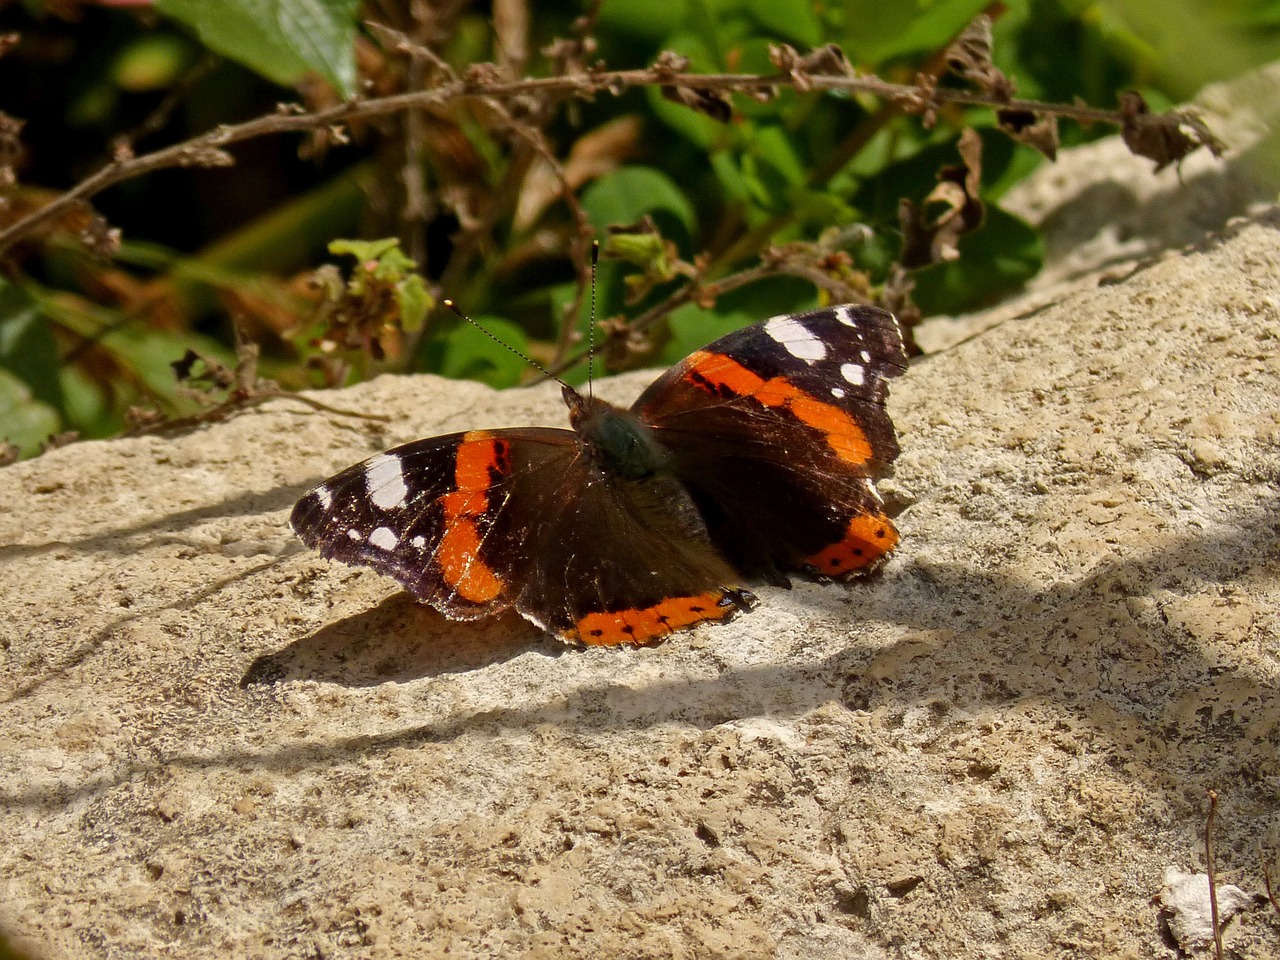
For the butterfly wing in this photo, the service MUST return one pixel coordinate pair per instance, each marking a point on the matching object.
(624, 561)
(475, 523)
(433, 514)
(779, 431)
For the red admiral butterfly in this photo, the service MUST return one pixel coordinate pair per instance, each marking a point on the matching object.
(753, 457)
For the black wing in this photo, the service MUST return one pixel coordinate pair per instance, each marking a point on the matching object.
(474, 523)
(779, 430)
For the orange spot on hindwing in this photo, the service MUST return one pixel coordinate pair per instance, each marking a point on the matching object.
(718, 374)
(867, 539)
(480, 456)
(650, 624)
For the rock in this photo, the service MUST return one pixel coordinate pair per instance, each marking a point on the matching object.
(992, 749)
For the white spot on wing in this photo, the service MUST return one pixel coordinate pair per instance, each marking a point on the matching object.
(385, 481)
(353, 533)
(854, 373)
(866, 357)
(419, 542)
(845, 316)
(837, 392)
(324, 496)
(798, 340)
(384, 538)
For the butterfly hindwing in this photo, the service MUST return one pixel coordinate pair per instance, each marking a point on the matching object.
(622, 561)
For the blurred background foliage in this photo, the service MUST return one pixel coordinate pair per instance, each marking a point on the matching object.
(91, 328)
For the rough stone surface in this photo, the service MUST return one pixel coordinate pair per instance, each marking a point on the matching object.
(213, 743)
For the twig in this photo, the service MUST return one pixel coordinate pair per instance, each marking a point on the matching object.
(690, 291)
(1213, 886)
(208, 148)
(239, 402)
(1266, 878)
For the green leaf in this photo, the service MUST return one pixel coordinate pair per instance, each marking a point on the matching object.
(363, 250)
(152, 62)
(280, 39)
(470, 353)
(415, 302)
(794, 20)
(628, 193)
(643, 22)
(27, 347)
(23, 419)
(876, 31)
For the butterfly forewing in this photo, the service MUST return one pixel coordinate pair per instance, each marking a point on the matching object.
(438, 514)
(779, 431)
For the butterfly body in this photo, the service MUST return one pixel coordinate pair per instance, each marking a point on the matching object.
(754, 457)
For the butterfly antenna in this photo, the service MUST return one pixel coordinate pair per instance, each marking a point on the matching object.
(591, 329)
(506, 346)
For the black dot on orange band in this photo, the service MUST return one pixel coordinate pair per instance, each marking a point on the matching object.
(880, 533)
(696, 609)
(857, 551)
(628, 629)
(597, 633)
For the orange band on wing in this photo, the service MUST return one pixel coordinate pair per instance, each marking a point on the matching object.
(478, 457)
(651, 624)
(844, 436)
(867, 538)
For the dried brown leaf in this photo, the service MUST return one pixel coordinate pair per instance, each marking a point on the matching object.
(713, 103)
(828, 60)
(1038, 131)
(923, 100)
(969, 56)
(933, 238)
(10, 149)
(1164, 137)
(595, 154)
(670, 64)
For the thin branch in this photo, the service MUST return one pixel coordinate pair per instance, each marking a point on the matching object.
(690, 291)
(1213, 886)
(207, 150)
(1266, 878)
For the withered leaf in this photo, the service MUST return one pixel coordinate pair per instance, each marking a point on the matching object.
(711, 102)
(969, 56)
(1039, 131)
(215, 374)
(670, 63)
(1163, 137)
(895, 296)
(828, 60)
(928, 238)
(922, 100)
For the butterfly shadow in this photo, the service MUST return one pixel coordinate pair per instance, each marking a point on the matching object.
(397, 641)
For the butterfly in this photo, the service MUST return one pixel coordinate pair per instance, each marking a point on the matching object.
(754, 458)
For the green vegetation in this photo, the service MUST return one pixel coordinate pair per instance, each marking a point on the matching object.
(715, 204)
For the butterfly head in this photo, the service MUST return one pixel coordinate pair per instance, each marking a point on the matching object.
(616, 440)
